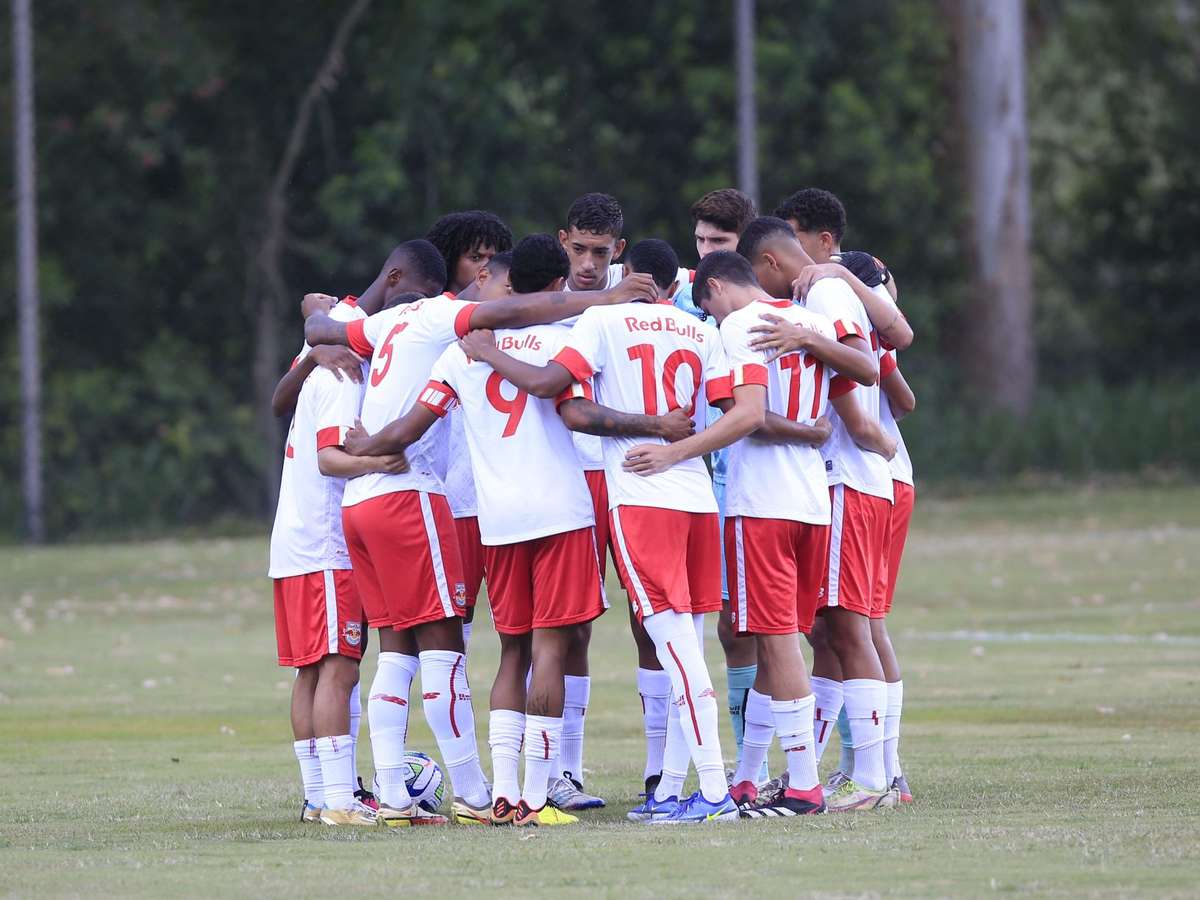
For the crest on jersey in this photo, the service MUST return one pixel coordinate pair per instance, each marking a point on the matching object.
(460, 594)
(352, 632)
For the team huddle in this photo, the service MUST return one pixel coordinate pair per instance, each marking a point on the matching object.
(514, 415)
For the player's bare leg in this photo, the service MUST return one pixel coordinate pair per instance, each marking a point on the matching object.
(566, 780)
(506, 724)
(654, 688)
(544, 709)
(826, 683)
(305, 745)
(741, 661)
(895, 705)
(337, 676)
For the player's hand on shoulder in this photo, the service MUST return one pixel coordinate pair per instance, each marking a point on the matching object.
(675, 426)
(635, 286)
(811, 274)
(338, 359)
(316, 303)
(777, 336)
(650, 459)
(478, 343)
(355, 439)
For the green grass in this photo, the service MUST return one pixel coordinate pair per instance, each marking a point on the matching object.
(1051, 645)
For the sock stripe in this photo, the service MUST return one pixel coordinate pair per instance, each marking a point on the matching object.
(687, 693)
(453, 696)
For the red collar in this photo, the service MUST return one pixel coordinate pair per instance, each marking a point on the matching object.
(778, 304)
(350, 300)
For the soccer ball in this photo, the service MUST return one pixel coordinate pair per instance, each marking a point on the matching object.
(425, 782)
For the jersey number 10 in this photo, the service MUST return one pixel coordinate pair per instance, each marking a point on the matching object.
(644, 353)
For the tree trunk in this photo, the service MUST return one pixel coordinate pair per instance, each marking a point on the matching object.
(747, 110)
(1000, 349)
(25, 178)
(267, 285)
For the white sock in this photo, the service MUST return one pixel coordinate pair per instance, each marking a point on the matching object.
(448, 711)
(756, 738)
(866, 701)
(891, 731)
(828, 694)
(310, 771)
(355, 725)
(387, 716)
(674, 639)
(506, 730)
(576, 692)
(542, 736)
(677, 755)
(794, 725)
(467, 636)
(654, 686)
(337, 770)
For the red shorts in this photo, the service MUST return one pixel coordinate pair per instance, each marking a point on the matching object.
(405, 556)
(546, 582)
(598, 485)
(667, 559)
(885, 584)
(775, 567)
(470, 551)
(857, 539)
(317, 615)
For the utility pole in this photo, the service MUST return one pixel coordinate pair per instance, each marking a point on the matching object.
(25, 178)
(747, 111)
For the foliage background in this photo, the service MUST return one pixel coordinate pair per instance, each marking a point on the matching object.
(160, 125)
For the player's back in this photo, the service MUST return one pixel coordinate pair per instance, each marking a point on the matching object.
(649, 358)
(845, 461)
(901, 464)
(768, 479)
(528, 480)
(404, 342)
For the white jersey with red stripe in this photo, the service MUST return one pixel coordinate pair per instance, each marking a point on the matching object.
(900, 464)
(404, 342)
(460, 479)
(589, 447)
(845, 461)
(345, 310)
(528, 479)
(648, 358)
(307, 535)
(765, 479)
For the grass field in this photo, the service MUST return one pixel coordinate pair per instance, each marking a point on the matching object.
(1052, 653)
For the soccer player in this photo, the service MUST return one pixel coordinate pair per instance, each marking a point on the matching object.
(649, 358)
(718, 220)
(467, 240)
(318, 614)
(856, 458)
(401, 536)
(777, 530)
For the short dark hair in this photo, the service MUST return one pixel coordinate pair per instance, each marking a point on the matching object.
(537, 260)
(421, 259)
(656, 258)
(759, 232)
(815, 210)
(457, 233)
(500, 262)
(406, 297)
(724, 265)
(729, 209)
(597, 213)
(863, 265)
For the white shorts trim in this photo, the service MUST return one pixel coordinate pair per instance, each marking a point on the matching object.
(331, 612)
(835, 544)
(635, 582)
(435, 554)
(599, 573)
(740, 554)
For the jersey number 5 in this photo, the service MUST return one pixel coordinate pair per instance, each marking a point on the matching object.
(514, 408)
(644, 353)
(385, 355)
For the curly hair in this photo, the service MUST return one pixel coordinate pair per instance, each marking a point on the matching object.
(597, 213)
(815, 210)
(457, 233)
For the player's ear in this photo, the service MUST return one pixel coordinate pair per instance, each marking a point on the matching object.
(618, 248)
(562, 238)
(672, 289)
(482, 276)
(394, 275)
(557, 285)
(770, 261)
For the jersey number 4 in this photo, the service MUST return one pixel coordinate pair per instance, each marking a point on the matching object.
(644, 353)
(797, 364)
(514, 408)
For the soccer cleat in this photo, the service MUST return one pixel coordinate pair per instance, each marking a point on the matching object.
(356, 814)
(772, 790)
(411, 816)
(309, 813)
(696, 810)
(653, 809)
(503, 812)
(466, 814)
(547, 815)
(790, 803)
(850, 796)
(566, 793)
(900, 785)
(835, 780)
(365, 797)
(743, 793)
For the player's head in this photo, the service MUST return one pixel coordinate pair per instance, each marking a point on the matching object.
(406, 297)
(818, 219)
(771, 247)
(413, 266)
(657, 259)
(719, 218)
(724, 282)
(539, 263)
(492, 282)
(592, 239)
(466, 241)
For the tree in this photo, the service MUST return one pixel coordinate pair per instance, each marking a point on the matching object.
(1001, 363)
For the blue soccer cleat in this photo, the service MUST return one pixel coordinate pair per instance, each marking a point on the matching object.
(652, 809)
(696, 810)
